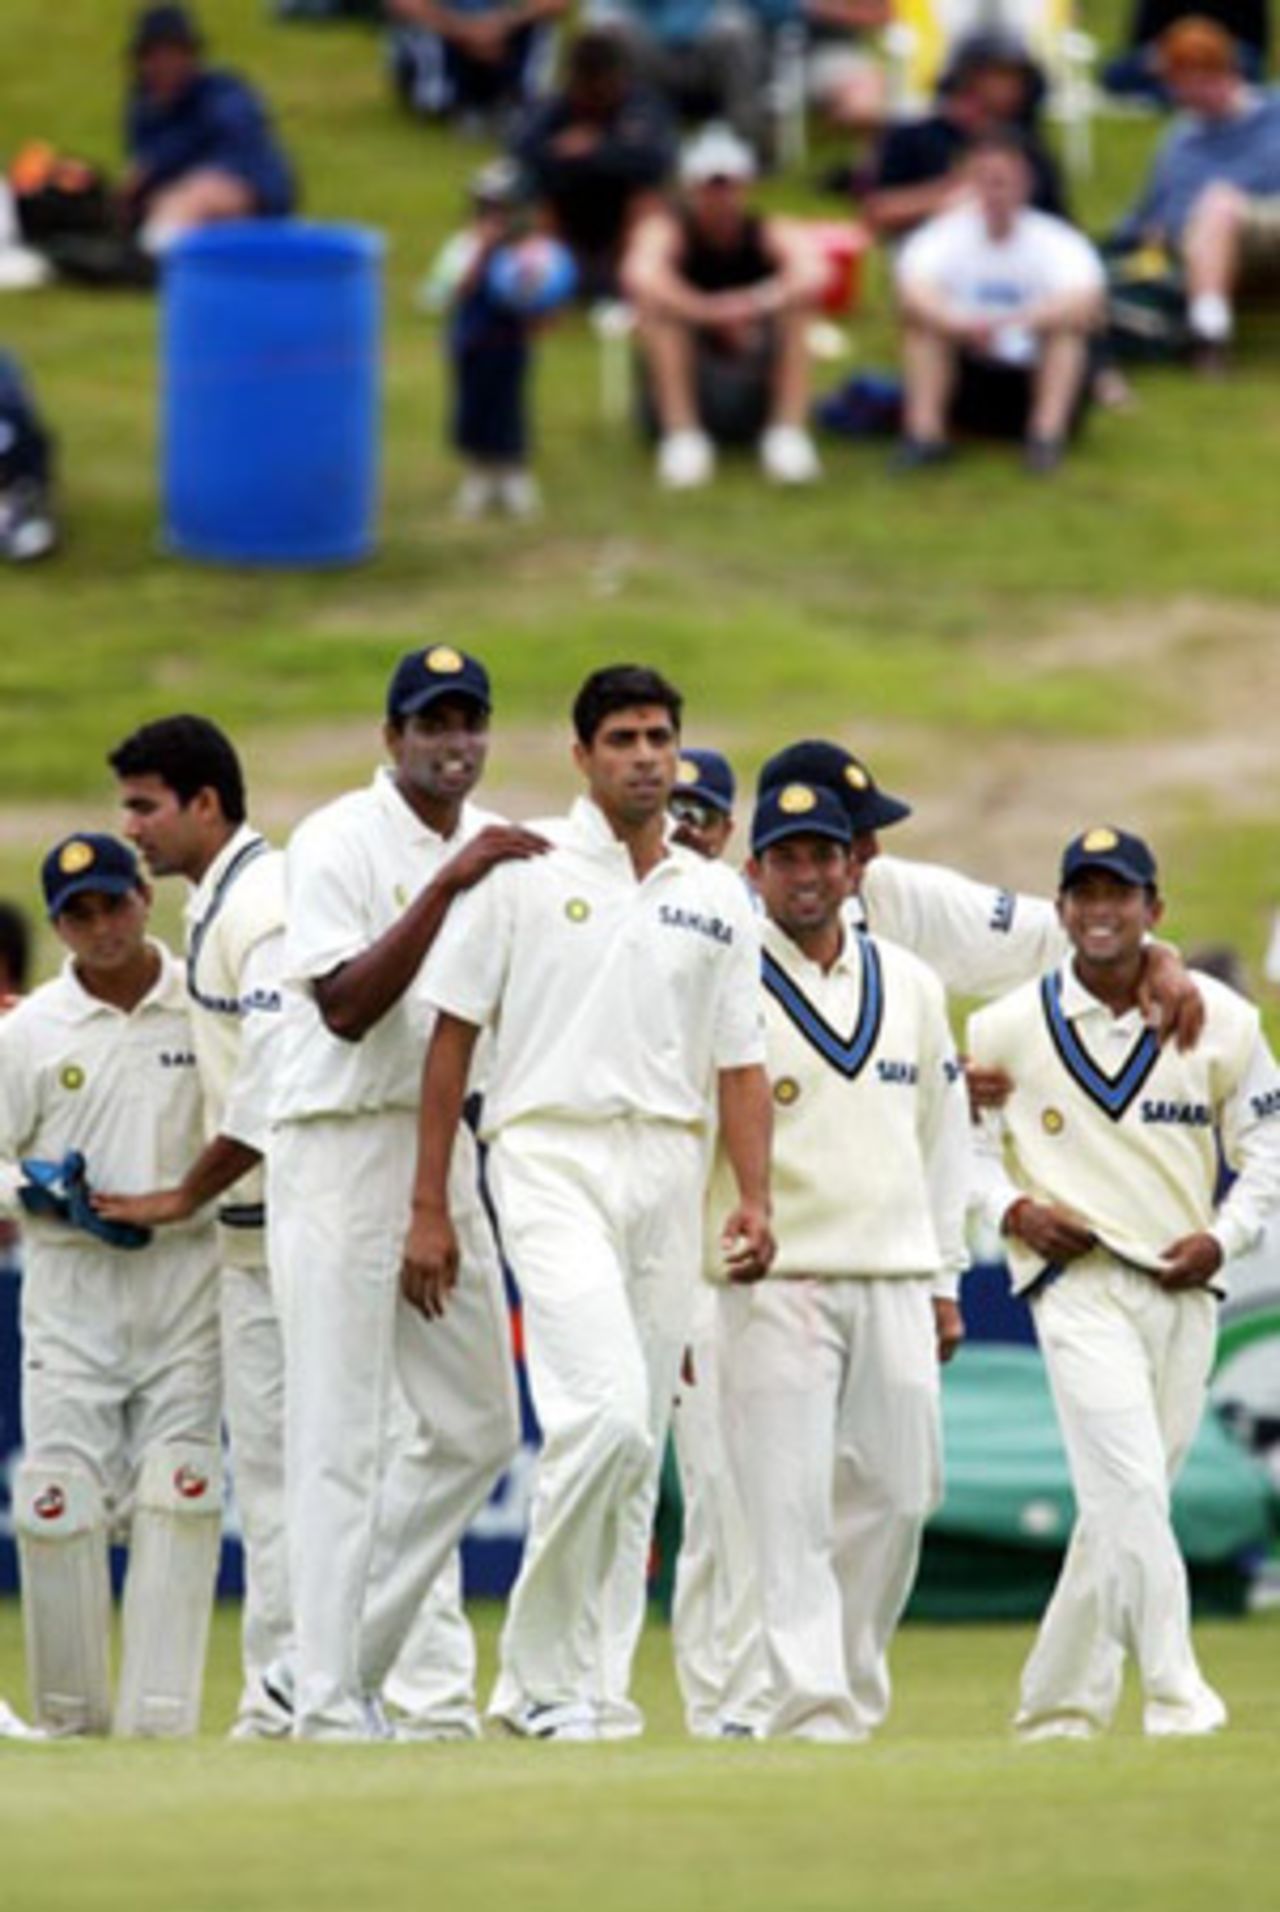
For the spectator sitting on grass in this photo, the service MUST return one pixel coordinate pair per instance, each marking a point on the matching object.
(1213, 195)
(722, 297)
(597, 152)
(1135, 74)
(992, 85)
(998, 305)
(200, 144)
(471, 58)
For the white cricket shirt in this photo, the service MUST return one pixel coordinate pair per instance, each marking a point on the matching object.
(979, 939)
(234, 921)
(351, 870)
(605, 996)
(871, 1143)
(78, 1073)
(1122, 1132)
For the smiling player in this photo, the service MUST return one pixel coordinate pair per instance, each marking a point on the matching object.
(1106, 1193)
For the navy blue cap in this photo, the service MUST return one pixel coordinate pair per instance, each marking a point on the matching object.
(1115, 851)
(706, 775)
(798, 809)
(832, 767)
(87, 862)
(425, 676)
(163, 26)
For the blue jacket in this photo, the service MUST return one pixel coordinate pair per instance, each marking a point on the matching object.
(219, 122)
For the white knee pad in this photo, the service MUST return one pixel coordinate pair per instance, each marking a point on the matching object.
(66, 1594)
(173, 1561)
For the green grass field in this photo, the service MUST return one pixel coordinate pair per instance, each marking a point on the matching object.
(943, 1810)
(1021, 657)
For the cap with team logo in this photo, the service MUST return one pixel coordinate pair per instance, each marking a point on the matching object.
(423, 677)
(798, 809)
(832, 767)
(87, 862)
(1115, 851)
(706, 775)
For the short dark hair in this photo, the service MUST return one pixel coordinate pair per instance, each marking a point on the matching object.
(188, 754)
(15, 944)
(622, 687)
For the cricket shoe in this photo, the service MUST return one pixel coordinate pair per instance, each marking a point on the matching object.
(570, 1721)
(1058, 1726)
(686, 461)
(267, 1711)
(1206, 1714)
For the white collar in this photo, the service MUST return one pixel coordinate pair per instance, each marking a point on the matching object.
(169, 990)
(1078, 1002)
(240, 839)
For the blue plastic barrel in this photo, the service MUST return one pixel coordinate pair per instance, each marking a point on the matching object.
(271, 382)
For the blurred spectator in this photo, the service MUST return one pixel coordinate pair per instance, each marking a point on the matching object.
(596, 153)
(15, 953)
(707, 57)
(471, 59)
(1213, 195)
(1135, 73)
(27, 528)
(489, 343)
(992, 85)
(722, 297)
(1224, 961)
(998, 305)
(845, 82)
(200, 144)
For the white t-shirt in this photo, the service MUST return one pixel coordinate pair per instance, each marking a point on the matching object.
(606, 996)
(351, 871)
(1041, 257)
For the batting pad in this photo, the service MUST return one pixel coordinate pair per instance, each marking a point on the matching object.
(66, 1595)
(168, 1595)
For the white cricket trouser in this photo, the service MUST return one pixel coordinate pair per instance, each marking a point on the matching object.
(367, 1539)
(119, 1353)
(715, 1617)
(602, 1223)
(832, 1420)
(1128, 1365)
(432, 1686)
(253, 1370)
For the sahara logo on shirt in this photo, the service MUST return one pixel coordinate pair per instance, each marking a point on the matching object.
(711, 926)
(1190, 1115)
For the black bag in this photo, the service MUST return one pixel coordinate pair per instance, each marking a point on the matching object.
(1146, 305)
(56, 194)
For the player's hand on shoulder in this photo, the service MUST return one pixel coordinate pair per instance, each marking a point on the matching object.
(747, 1246)
(988, 1088)
(1191, 1261)
(1053, 1232)
(1170, 1002)
(496, 843)
(429, 1269)
(948, 1324)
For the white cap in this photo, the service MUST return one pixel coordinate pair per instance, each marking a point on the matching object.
(716, 153)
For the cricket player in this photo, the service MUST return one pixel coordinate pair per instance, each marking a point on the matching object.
(1102, 1172)
(369, 881)
(121, 1390)
(980, 940)
(829, 1367)
(715, 1623)
(619, 978)
(182, 792)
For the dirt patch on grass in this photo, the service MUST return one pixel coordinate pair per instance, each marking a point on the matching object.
(1001, 808)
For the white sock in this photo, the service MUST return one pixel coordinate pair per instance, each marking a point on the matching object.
(1211, 318)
